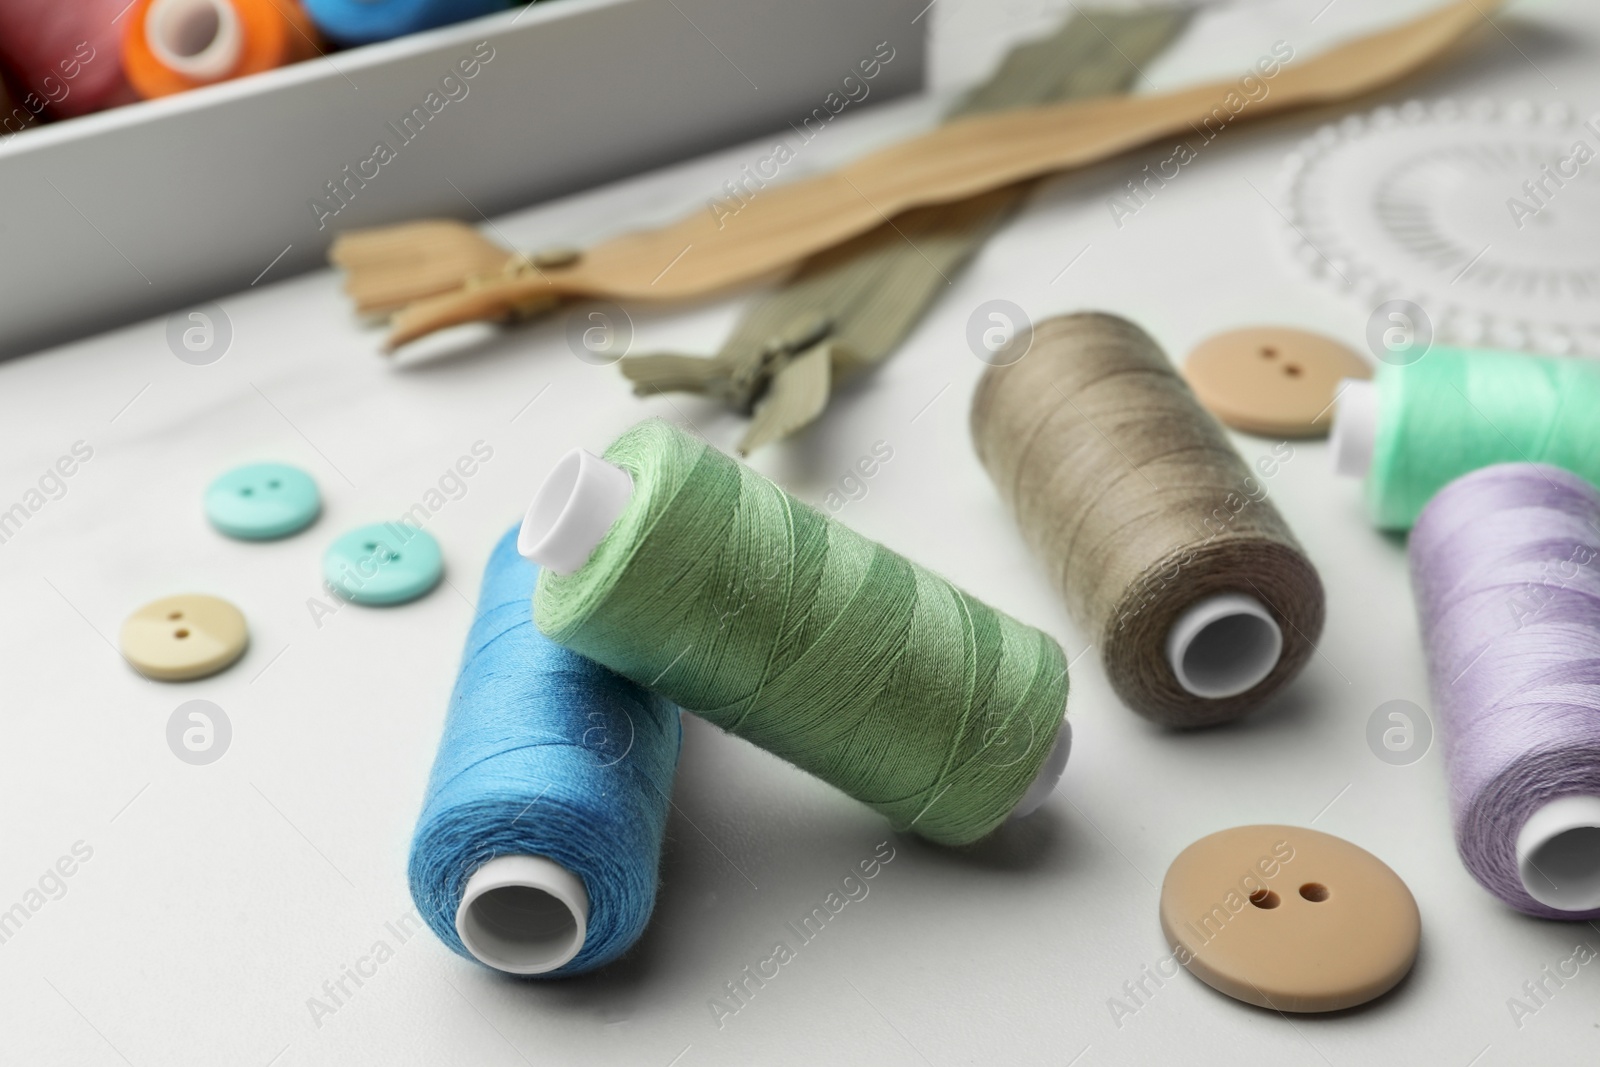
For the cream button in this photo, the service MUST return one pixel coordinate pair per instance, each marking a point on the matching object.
(1272, 380)
(178, 638)
(1289, 918)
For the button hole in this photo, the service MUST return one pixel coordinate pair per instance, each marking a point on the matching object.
(1292, 370)
(371, 546)
(1264, 898)
(273, 484)
(1315, 892)
(180, 633)
(246, 491)
(175, 615)
(1269, 353)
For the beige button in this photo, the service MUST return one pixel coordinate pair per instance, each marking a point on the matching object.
(1289, 918)
(1272, 380)
(178, 638)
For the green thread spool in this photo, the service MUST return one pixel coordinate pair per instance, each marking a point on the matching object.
(689, 573)
(1416, 428)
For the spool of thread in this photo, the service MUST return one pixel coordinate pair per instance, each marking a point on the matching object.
(1505, 563)
(686, 571)
(13, 119)
(1158, 536)
(539, 840)
(364, 21)
(1414, 428)
(172, 46)
(66, 57)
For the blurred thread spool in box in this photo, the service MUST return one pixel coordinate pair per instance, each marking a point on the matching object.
(175, 45)
(64, 58)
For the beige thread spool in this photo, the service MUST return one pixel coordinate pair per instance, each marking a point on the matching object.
(1154, 530)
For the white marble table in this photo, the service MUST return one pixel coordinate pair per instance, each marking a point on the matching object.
(217, 901)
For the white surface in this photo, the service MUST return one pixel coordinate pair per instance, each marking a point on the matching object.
(1223, 645)
(219, 899)
(523, 914)
(1558, 854)
(572, 511)
(198, 38)
(1355, 427)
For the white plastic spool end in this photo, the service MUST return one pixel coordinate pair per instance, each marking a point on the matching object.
(523, 914)
(1558, 854)
(1355, 428)
(1223, 645)
(572, 511)
(200, 39)
(1045, 781)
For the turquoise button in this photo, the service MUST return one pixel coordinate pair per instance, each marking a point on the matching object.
(385, 563)
(262, 501)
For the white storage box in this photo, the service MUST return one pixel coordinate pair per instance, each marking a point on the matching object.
(151, 207)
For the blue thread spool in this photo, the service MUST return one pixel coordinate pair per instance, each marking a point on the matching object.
(540, 836)
(365, 21)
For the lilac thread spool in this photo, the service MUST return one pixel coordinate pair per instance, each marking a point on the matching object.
(1505, 563)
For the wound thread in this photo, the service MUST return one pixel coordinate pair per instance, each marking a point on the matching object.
(1456, 410)
(63, 59)
(545, 754)
(1132, 497)
(178, 51)
(738, 602)
(1505, 564)
(352, 22)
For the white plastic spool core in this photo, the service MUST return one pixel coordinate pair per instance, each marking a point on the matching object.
(523, 914)
(1045, 781)
(1558, 854)
(584, 495)
(1355, 428)
(200, 39)
(572, 511)
(1223, 645)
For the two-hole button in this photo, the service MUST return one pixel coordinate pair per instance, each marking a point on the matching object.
(1272, 379)
(262, 501)
(178, 638)
(1289, 918)
(383, 563)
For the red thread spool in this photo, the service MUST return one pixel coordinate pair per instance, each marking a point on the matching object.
(64, 58)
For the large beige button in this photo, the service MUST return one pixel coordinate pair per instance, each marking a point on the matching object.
(1271, 379)
(1289, 918)
(178, 638)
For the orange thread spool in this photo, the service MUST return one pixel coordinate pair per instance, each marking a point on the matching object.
(174, 45)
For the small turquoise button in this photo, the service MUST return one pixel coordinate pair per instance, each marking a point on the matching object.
(262, 501)
(385, 563)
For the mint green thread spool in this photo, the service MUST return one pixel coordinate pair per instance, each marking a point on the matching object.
(689, 573)
(1416, 428)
